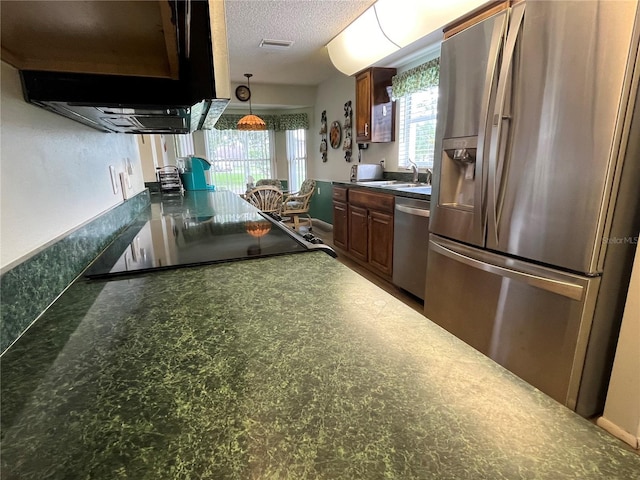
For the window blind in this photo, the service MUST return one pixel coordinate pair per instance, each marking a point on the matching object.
(239, 157)
(417, 127)
(297, 158)
(183, 145)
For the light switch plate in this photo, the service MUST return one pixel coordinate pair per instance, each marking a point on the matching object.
(115, 181)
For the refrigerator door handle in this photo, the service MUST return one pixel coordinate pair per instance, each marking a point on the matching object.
(565, 289)
(484, 126)
(499, 120)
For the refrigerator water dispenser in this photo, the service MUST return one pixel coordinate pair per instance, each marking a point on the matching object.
(457, 186)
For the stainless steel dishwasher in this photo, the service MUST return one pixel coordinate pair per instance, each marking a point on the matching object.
(410, 244)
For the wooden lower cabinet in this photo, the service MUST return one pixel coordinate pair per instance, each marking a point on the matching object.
(340, 218)
(358, 232)
(363, 227)
(341, 225)
(381, 241)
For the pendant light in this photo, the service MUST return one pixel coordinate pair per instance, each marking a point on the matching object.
(251, 121)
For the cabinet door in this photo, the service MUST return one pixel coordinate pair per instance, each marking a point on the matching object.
(340, 225)
(381, 241)
(363, 106)
(358, 232)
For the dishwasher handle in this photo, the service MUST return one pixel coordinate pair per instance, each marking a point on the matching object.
(421, 212)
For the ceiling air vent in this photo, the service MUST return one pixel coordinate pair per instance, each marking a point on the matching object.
(276, 44)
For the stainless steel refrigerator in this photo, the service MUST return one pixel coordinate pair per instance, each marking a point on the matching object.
(535, 204)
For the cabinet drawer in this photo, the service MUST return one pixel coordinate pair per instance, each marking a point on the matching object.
(376, 201)
(340, 194)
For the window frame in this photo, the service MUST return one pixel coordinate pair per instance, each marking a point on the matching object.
(295, 162)
(224, 172)
(407, 137)
(183, 145)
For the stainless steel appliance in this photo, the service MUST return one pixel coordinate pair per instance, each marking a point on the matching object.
(144, 104)
(220, 227)
(365, 171)
(535, 205)
(410, 243)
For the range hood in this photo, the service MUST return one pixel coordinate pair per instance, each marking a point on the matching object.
(191, 96)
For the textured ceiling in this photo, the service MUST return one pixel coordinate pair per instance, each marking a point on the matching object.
(310, 24)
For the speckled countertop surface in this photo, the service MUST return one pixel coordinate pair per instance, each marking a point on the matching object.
(391, 191)
(241, 371)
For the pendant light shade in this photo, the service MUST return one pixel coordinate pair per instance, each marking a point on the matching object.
(257, 229)
(251, 121)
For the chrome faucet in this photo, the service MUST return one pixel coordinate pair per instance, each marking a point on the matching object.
(429, 176)
(414, 169)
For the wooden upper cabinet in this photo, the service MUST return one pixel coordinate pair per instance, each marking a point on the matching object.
(86, 36)
(363, 106)
(476, 16)
(375, 112)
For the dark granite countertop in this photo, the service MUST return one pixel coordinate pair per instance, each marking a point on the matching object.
(290, 367)
(195, 229)
(391, 191)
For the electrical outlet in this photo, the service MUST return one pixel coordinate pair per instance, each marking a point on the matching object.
(318, 190)
(114, 179)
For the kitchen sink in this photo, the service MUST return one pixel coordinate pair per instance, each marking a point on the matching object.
(399, 185)
(405, 185)
(376, 183)
(425, 189)
(390, 184)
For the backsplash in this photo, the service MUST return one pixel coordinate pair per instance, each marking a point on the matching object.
(30, 287)
(321, 205)
(422, 177)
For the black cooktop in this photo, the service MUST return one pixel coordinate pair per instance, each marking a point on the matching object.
(175, 241)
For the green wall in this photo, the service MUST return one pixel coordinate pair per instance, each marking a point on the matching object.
(321, 202)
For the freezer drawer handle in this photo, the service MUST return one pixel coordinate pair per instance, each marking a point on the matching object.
(566, 289)
(413, 211)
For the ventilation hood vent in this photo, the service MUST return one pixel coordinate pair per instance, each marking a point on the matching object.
(178, 103)
(276, 45)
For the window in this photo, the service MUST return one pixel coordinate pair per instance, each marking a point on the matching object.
(416, 91)
(418, 113)
(239, 157)
(183, 145)
(297, 158)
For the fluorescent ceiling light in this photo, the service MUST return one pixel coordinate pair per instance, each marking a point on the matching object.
(389, 25)
(361, 43)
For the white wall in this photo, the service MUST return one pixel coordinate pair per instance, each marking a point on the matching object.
(148, 154)
(54, 173)
(146, 147)
(274, 96)
(156, 150)
(622, 409)
(332, 94)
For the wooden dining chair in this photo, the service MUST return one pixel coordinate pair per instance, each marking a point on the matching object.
(267, 198)
(269, 181)
(296, 205)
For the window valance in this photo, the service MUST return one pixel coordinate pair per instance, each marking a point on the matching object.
(417, 79)
(278, 123)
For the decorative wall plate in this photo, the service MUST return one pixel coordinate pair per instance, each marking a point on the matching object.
(335, 134)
